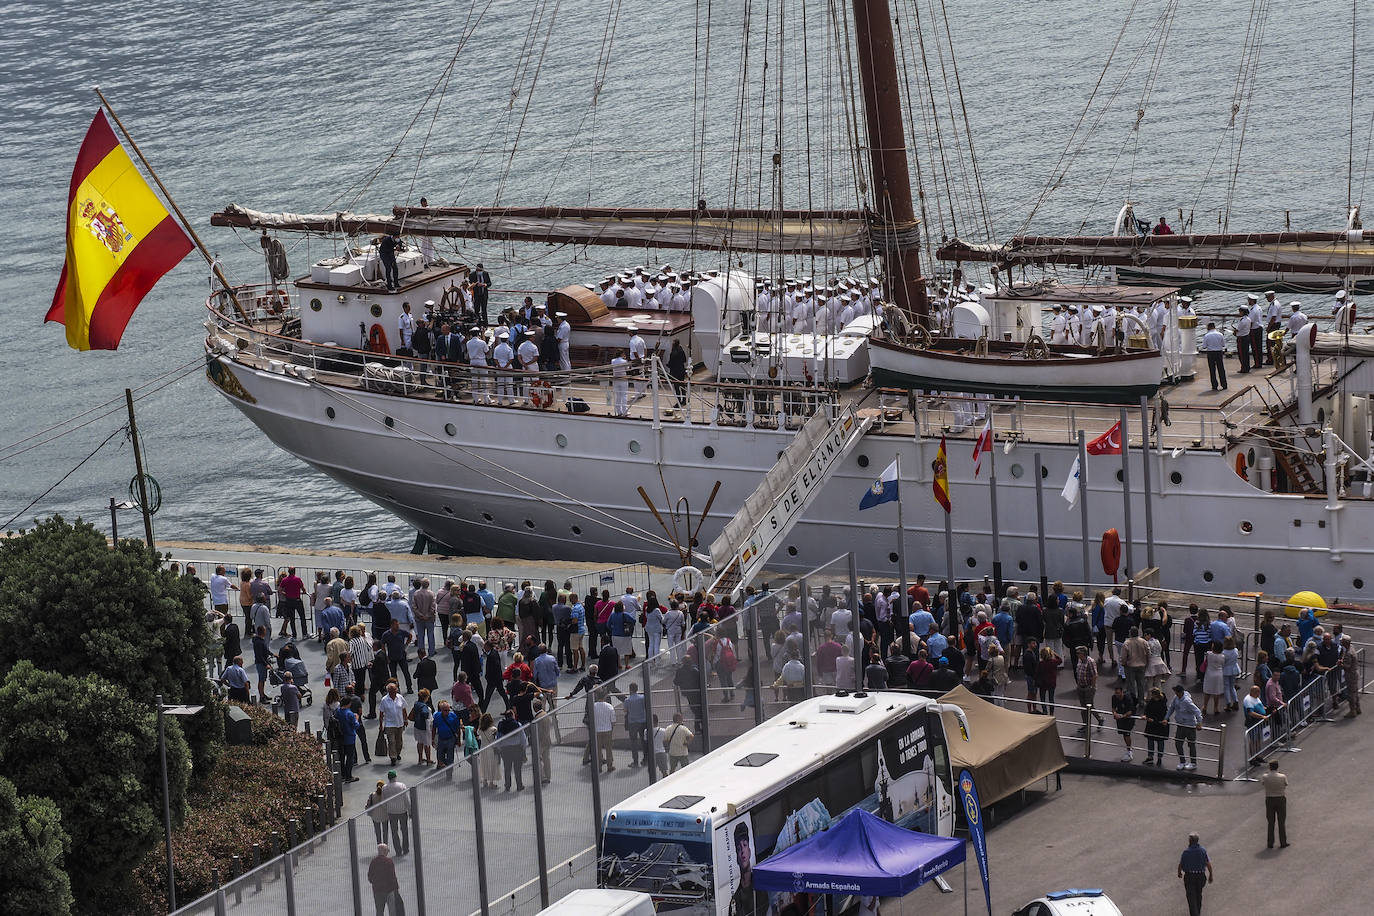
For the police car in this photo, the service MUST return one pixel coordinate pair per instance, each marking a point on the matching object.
(1076, 901)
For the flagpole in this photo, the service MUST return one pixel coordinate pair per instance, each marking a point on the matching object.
(1145, 468)
(1083, 501)
(1126, 490)
(185, 223)
(901, 545)
(992, 492)
(949, 556)
(1040, 526)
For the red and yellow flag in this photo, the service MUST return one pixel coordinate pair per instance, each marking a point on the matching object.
(120, 241)
(940, 485)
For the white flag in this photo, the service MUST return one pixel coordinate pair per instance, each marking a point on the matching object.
(1070, 491)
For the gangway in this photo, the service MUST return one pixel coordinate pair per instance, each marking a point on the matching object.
(782, 497)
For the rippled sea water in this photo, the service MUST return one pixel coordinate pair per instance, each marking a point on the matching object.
(292, 105)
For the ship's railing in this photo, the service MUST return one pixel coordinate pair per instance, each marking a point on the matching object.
(265, 342)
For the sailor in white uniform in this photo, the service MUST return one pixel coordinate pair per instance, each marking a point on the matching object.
(1098, 328)
(1058, 325)
(639, 353)
(563, 333)
(609, 289)
(680, 301)
(1159, 317)
(527, 358)
(477, 359)
(634, 297)
(502, 355)
(1242, 330)
(620, 388)
(1344, 312)
(1273, 311)
(405, 326)
(1296, 320)
(1256, 330)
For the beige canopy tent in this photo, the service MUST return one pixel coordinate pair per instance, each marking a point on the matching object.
(1006, 751)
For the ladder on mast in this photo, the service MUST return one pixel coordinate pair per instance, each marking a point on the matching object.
(782, 497)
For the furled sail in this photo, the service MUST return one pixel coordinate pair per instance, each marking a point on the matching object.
(1337, 254)
(823, 233)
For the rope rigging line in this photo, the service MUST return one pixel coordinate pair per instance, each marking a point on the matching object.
(529, 94)
(63, 478)
(371, 413)
(968, 129)
(1238, 137)
(934, 124)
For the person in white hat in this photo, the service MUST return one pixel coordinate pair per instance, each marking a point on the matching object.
(527, 355)
(503, 356)
(1344, 312)
(1242, 330)
(620, 388)
(681, 301)
(1273, 317)
(1296, 319)
(609, 289)
(639, 355)
(1256, 330)
(634, 296)
(477, 359)
(563, 333)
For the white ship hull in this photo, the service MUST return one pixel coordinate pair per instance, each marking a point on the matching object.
(472, 499)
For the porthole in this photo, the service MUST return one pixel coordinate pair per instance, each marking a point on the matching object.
(561, 440)
(448, 510)
(1260, 578)
(892, 557)
(577, 530)
(1044, 472)
(390, 423)
(486, 517)
(376, 310)
(1176, 478)
(708, 452)
(529, 523)
(1250, 457)
(316, 305)
(450, 429)
(791, 551)
(329, 412)
(971, 563)
(1017, 471)
(1119, 477)
(635, 446)
(1207, 575)
(1023, 566)
(1247, 527)
(863, 461)
(1358, 583)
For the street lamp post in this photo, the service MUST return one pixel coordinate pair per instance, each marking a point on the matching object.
(165, 710)
(115, 506)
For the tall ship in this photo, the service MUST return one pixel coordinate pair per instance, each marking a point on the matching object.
(729, 411)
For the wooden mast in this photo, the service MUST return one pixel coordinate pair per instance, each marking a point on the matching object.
(895, 230)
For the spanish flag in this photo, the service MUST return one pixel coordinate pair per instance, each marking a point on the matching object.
(120, 241)
(940, 485)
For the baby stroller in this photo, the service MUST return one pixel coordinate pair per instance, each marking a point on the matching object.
(299, 676)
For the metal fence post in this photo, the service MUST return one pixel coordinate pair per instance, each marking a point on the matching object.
(1221, 751)
(803, 600)
(649, 760)
(290, 875)
(419, 852)
(221, 902)
(477, 830)
(594, 753)
(856, 630)
(355, 878)
(703, 695)
(1088, 731)
(537, 783)
(755, 661)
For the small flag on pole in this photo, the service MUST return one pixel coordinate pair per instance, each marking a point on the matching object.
(1070, 491)
(980, 445)
(940, 485)
(1109, 443)
(120, 241)
(884, 489)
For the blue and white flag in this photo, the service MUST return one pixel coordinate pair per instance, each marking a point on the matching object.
(973, 813)
(884, 489)
(1071, 486)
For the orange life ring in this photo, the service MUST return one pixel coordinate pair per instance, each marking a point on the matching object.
(1111, 552)
(376, 340)
(541, 393)
(1241, 466)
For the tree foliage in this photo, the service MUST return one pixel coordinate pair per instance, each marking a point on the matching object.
(74, 605)
(87, 746)
(34, 845)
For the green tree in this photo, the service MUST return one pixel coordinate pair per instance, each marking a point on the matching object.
(33, 844)
(75, 606)
(84, 744)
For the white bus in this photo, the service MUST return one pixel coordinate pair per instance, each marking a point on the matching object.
(691, 839)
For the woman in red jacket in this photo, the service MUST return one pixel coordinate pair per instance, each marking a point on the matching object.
(1047, 677)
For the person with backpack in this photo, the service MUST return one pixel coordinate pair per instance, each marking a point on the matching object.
(622, 628)
(343, 730)
(419, 716)
(446, 729)
(720, 654)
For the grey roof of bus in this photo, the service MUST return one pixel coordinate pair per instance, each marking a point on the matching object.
(800, 737)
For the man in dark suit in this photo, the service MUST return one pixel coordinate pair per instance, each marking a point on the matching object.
(481, 284)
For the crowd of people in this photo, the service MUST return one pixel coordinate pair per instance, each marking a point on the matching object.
(382, 645)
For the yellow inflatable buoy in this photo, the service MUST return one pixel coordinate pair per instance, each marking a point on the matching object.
(1302, 600)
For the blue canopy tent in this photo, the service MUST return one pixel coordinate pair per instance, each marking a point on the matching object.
(861, 854)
